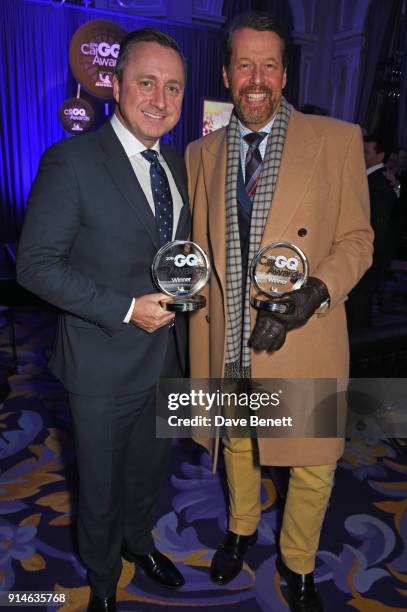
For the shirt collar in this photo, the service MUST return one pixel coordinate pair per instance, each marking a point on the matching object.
(374, 168)
(245, 130)
(130, 143)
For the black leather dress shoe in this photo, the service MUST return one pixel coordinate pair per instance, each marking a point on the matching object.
(158, 568)
(302, 594)
(227, 562)
(101, 604)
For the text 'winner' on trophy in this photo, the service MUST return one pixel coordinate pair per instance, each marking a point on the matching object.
(277, 269)
(181, 269)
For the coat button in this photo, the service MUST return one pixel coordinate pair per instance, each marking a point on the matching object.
(207, 318)
(302, 232)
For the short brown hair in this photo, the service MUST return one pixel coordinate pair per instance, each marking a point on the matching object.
(145, 35)
(255, 20)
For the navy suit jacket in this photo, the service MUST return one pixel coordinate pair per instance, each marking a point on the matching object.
(87, 244)
(383, 200)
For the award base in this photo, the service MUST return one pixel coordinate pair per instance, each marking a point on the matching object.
(269, 305)
(186, 304)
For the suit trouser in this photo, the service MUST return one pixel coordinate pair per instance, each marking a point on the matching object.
(120, 464)
(308, 495)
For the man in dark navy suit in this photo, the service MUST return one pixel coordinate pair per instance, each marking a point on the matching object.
(100, 208)
(383, 202)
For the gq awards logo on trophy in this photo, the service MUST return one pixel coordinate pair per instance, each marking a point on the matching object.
(279, 267)
(181, 269)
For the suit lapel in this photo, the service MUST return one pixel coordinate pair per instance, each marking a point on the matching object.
(184, 224)
(179, 179)
(300, 158)
(214, 167)
(121, 171)
(184, 221)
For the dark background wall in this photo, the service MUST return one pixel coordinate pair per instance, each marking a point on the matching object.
(344, 57)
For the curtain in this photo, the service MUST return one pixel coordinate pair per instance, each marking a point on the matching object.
(382, 24)
(402, 115)
(36, 79)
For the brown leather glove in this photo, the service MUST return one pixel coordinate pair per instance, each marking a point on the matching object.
(301, 303)
(268, 333)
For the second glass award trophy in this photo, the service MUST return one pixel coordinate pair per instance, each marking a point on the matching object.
(279, 267)
(181, 269)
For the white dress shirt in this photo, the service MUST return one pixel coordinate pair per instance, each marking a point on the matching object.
(374, 168)
(141, 167)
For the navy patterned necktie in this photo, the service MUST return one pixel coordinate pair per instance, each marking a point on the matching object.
(253, 162)
(161, 195)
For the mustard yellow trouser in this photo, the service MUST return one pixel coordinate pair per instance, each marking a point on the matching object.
(307, 499)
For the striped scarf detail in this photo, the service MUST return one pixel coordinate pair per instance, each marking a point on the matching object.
(238, 326)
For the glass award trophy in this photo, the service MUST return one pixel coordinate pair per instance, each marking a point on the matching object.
(279, 267)
(181, 269)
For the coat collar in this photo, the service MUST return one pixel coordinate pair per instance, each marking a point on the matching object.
(214, 168)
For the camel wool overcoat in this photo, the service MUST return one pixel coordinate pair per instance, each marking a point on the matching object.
(321, 204)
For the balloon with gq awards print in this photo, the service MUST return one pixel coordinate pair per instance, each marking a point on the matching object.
(181, 269)
(93, 54)
(279, 267)
(76, 116)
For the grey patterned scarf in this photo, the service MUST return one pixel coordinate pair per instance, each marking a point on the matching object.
(238, 355)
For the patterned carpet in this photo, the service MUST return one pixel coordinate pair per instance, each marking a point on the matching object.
(362, 563)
